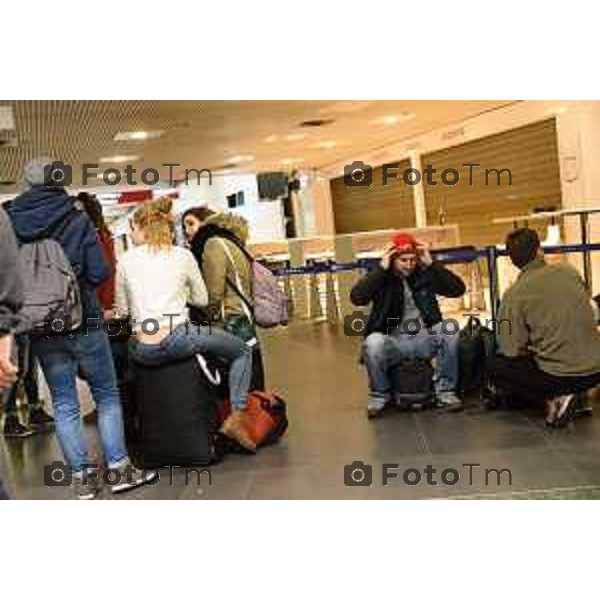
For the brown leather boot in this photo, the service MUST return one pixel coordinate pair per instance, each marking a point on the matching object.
(234, 427)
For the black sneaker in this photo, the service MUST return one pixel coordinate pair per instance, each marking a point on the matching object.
(13, 428)
(584, 411)
(583, 406)
(566, 410)
(40, 420)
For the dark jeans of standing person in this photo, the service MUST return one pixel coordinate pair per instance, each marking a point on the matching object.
(522, 378)
(38, 420)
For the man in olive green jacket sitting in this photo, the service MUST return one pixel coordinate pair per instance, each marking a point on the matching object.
(548, 338)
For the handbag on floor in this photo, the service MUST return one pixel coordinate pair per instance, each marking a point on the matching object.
(266, 417)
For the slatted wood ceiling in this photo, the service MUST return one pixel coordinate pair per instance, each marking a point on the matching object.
(530, 153)
(362, 208)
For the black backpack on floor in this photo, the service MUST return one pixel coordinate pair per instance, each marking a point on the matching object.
(412, 383)
(476, 344)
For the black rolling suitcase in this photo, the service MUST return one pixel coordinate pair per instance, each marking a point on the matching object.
(412, 383)
(171, 414)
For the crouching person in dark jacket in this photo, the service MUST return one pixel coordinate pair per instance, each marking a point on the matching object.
(405, 319)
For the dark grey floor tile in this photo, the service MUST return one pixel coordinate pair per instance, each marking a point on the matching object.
(223, 486)
(303, 483)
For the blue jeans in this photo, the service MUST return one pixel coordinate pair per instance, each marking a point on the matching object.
(60, 358)
(381, 351)
(187, 340)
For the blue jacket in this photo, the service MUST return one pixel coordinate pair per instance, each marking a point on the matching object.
(38, 212)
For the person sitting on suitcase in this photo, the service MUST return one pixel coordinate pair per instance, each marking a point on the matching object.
(406, 321)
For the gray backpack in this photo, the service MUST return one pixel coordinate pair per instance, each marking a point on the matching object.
(269, 306)
(52, 297)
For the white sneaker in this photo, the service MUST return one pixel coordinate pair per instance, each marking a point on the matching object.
(448, 400)
(131, 478)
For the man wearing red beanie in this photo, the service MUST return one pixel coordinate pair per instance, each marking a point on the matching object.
(406, 320)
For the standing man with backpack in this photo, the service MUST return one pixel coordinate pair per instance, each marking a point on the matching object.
(11, 300)
(42, 214)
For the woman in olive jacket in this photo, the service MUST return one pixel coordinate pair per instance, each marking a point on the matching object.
(217, 240)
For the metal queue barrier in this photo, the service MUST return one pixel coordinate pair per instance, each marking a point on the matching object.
(330, 269)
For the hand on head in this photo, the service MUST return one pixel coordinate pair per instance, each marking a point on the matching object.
(386, 259)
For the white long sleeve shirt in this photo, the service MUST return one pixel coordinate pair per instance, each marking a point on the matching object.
(158, 285)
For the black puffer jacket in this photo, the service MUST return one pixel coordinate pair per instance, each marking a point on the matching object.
(386, 291)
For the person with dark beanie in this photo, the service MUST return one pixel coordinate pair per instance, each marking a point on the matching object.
(38, 420)
(45, 211)
(548, 341)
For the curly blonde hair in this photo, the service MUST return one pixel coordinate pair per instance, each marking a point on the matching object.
(155, 219)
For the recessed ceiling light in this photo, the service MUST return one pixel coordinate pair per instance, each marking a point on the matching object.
(345, 106)
(270, 139)
(392, 119)
(238, 158)
(294, 137)
(119, 158)
(129, 136)
(325, 145)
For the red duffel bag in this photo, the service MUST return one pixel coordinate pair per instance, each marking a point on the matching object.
(266, 417)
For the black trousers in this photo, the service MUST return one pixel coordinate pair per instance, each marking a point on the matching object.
(3, 494)
(522, 377)
(27, 374)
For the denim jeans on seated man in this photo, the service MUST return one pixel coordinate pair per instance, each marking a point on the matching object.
(60, 359)
(381, 351)
(187, 340)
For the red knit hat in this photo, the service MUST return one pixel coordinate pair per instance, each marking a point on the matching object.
(405, 243)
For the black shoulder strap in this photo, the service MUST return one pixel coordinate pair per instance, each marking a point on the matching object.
(55, 233)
